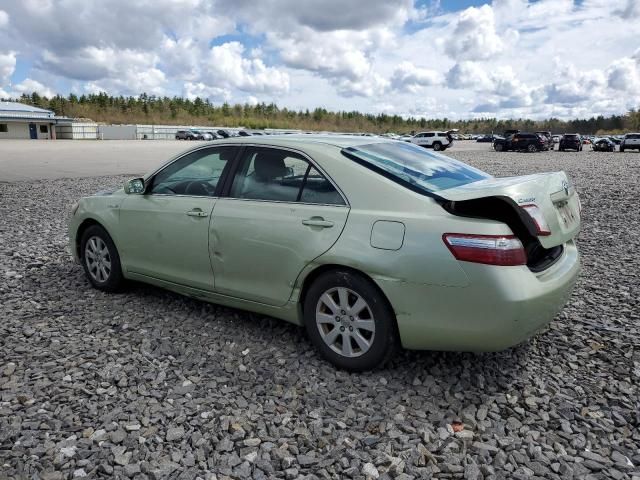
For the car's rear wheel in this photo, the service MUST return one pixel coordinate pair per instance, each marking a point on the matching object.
(498, 147)
(532, 148)
(437, 146)
(100, 259)
(350, 321)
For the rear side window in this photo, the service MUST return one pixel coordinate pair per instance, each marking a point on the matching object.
(272, 174)
(413, 166)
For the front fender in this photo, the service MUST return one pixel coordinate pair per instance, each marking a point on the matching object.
(103, 210)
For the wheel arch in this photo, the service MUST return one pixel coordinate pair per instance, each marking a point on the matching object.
(333, 267)
(84, 225)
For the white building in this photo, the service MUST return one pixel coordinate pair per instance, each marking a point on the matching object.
(18, 120)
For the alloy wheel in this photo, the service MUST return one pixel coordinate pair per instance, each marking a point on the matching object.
(345, 322)
(97, 258)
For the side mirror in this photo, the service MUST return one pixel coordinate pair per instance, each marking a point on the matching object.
(134, 186)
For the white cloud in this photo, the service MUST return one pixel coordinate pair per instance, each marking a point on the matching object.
(28, 86)
(226, 66)
(624, 75)
(474, 36)
(409, 78)
(469, 75)
(369, 55)
(192, 90)
(109, 69)
(7, 66)
(367, 86)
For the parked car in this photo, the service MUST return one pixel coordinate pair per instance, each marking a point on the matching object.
(223, 133)
(570, 141)
(530, 142)
(556, 138)
(214, 135)
(185, 135)
(486, 139)
(603, 145)
(436, 140)
(201, 135)
(548, 139)
(630, 141)
(615, 140)
(367, 242)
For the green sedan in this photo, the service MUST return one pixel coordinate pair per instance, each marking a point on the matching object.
(368, 243)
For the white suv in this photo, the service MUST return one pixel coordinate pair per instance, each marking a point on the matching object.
(630, 141)
(435, 140)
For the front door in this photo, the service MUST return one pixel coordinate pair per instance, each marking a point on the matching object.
(280, 215)
(165, 232)
(33, 131)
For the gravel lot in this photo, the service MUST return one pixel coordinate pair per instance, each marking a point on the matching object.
(148, 384)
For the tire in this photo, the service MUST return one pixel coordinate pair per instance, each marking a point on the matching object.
(437, 146)
(498, 147)
(106, 273)
(622, 149)
(333, 293)
(532, 148)
(561, 149)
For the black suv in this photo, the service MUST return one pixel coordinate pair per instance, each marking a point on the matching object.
(530, 142)
(549, 139)
(570, 141)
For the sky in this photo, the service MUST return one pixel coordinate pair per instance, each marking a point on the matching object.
(457, 59)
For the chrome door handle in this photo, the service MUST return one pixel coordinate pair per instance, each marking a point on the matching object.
(196, 212)
(318, 222)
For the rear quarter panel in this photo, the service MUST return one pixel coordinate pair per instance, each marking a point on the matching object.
(423, 257)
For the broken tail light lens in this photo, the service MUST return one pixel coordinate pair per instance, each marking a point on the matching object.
(538, 217)
(504, 250)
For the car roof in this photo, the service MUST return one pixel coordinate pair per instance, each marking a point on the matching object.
(298, 140)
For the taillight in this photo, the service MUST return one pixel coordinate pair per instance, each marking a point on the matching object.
(536, 215)
(505, 250)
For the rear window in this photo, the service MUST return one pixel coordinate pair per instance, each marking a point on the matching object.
(633, 136)
(413, 166)
(571, 137)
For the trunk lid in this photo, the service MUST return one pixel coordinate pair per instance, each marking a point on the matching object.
(551, 192)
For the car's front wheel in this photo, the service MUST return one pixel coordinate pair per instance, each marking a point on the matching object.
(437, 146)
(532, 148)
(497, 147)
(100, 259)
(350, 321)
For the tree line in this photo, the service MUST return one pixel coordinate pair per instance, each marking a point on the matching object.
(151, 109)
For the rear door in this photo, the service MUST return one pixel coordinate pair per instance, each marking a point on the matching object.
(281, 213)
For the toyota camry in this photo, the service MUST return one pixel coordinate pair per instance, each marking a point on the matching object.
(369, 243)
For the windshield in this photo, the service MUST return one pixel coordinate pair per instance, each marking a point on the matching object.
(408, 163)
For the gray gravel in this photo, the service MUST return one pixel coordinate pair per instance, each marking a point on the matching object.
(148, 384)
